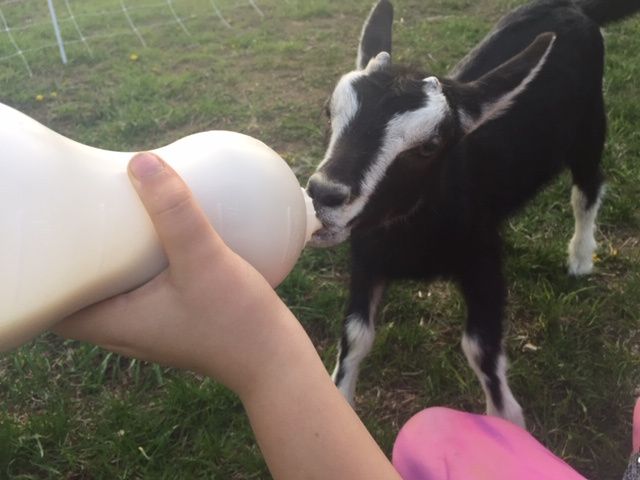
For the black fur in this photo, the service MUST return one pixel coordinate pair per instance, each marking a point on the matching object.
(603, 12)
(439, 209)
(380, 39)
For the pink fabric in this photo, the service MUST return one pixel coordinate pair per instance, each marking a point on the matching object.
(443, 444)
(636, 427)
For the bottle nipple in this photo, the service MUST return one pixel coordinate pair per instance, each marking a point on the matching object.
(313, 224)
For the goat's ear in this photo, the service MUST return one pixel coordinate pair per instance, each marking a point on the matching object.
(376, 34)
(494, 93)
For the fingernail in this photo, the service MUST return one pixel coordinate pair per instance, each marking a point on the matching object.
(145, 165)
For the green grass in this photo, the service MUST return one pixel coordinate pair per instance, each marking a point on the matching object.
(73, 411)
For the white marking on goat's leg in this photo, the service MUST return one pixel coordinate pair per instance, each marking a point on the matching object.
(511, 409)
(359, 336)
(357, 341)
(583, 243)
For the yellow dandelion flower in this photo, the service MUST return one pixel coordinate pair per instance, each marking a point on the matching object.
(39, 97)
(133, 57)
(54, 94)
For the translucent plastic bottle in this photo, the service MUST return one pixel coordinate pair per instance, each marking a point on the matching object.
(73, 230)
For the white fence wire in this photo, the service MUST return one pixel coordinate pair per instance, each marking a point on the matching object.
(136, 19)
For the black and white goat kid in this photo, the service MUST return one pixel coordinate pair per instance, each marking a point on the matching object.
(421, 171)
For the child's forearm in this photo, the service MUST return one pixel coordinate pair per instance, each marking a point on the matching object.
(305, 428)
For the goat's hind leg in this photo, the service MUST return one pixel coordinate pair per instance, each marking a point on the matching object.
(484, 291)
(586, 194)
(358, 333)
(583, 243)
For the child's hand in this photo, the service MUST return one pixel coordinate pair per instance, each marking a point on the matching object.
(210, 311)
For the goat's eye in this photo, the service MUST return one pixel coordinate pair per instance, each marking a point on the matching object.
(428, 149)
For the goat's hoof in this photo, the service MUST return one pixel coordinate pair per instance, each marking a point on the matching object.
(580, 267)
(511, 413)
(581, 251)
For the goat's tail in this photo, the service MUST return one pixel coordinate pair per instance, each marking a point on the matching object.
(607, 11)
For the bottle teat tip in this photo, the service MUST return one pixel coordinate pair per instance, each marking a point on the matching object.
(313, 224)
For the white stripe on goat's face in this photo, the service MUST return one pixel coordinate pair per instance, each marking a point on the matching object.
(343, 107)
(375, 115)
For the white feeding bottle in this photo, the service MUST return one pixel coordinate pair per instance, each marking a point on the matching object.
(73, 230)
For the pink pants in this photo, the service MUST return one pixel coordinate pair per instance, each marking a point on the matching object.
(636, 427)
(443, 444)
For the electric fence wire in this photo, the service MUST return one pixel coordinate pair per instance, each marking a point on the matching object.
(132, 28)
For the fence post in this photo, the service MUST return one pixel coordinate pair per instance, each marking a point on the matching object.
(56, 28)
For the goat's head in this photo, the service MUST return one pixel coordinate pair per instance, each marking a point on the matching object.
(390, 126)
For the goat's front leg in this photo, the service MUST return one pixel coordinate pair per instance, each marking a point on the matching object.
(484, 291)
(358, 331)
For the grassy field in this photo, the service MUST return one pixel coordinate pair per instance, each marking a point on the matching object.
(72, 411)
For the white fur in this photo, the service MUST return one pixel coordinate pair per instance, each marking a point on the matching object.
(361, 334)
(344, 105)
(583, 244)
(380, 61)
(512, 411)
(432, 84)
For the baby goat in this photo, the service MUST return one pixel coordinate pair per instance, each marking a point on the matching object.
(421, 171)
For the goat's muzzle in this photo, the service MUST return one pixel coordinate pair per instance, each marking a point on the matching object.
(329, 199)
(326, 193)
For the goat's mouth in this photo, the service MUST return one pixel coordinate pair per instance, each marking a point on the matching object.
(329, 235)
(337, 224)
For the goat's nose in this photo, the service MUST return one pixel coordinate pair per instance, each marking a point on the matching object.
(326, 193)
